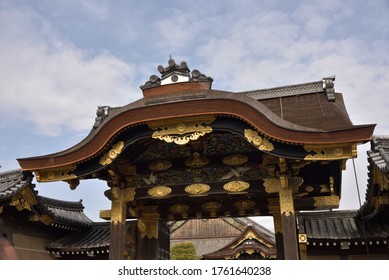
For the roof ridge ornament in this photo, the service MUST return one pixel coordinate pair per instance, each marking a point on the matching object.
(175, 73)
(328, 86)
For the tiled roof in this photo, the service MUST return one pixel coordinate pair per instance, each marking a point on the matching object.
(94, 240)
(65, 211)
(290, 90)
(12, 182)
(379, 153)
(340, 225)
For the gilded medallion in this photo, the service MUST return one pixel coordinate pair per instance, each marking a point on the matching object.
(236, 159)
(160, 165)
(197, 189)
(179, 208)
(236, 186)
(159, 191)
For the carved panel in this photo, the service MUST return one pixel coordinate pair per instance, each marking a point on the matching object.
(183, 131)
(108, 157)
(262, 143)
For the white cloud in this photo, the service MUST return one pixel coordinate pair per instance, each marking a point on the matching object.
(51, 83)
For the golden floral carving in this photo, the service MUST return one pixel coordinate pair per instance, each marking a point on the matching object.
(196, 189)
(262, 143)
(108, 157)
(159, 191)
(182, 132)
(236, 186)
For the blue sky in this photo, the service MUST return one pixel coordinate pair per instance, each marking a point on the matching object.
(61, 59)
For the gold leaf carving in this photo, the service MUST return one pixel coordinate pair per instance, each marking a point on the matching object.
(262, 143)
(326, 202)
(236, 186)
(272, 185)
(286, 201)
(197, 189)
(236, 159)
(62, 173)
(159, 191)
(108, 157)
(182, 132)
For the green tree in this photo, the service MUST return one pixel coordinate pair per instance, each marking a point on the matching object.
(183, 251)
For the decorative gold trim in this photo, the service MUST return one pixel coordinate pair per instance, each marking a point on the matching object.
(262, 143)
(128, 194)
(108, 157)
(148, 228)
(159, 191)
(380, 179)
(286, 198)
(160, 165)
(197, 189)
(331, 152)
(56, 174)
(148, 223)
(183, 131)
(1, 209)
(24, 200)
(326, 202)
(271, 185)
(46, 219)
(236, 186)
(236, 159)
(105, 214)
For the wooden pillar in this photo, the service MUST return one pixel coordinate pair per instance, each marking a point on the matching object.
(288, 219)
(147, 234)
(118, 225)
(279, 236)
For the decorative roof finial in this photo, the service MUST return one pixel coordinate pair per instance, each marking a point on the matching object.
(175, 73)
